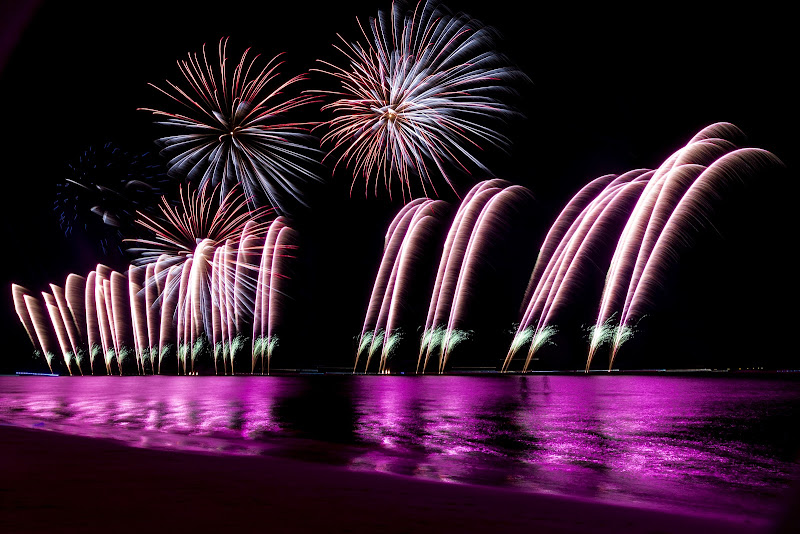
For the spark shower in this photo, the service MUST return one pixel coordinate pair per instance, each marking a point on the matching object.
(657, 209)
(212, 279)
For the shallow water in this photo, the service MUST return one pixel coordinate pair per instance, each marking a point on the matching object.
(718, 445)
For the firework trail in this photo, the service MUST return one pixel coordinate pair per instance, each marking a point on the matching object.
(138, 297)
(102, 191)
(483, 211)
(58, 324)
(392, 243)
(411, 252)
(235, 129)
(491, 218)
(276, 299)
(691, 209)
(68, 323)
(547, 266)
(577, 257)
(32, 315)
(450, 265)
(678, 199)
(418, 98)
(555, 235)
(263, 343)
(92, 319)
(580, 234)
(18, 294)
(658, 208)
(408, 234)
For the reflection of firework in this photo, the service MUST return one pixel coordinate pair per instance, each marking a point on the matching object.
(414, 96)
(102, 191)
(233, 129)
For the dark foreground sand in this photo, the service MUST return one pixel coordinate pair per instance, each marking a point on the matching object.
(52, 482)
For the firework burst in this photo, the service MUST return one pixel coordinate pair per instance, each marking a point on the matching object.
(235, 130)
(102, 190)
(415, 97)
(202, 217)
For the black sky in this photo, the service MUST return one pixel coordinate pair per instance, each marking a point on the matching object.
(612, 89)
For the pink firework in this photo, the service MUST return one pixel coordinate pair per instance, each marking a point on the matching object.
(235, 128)
(419, 98)
(203, 214)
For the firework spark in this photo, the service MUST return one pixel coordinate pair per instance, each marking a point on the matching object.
(235, 129)
(418, 98)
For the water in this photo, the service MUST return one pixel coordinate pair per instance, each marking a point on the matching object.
(719, 445)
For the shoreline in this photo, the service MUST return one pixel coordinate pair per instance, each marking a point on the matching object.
(789, 374)
(54, 482)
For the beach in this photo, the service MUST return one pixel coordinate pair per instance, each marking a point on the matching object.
(54, 482)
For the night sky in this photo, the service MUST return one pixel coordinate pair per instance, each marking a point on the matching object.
(611, 90)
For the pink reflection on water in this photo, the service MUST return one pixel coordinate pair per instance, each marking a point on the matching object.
(707, 445)
(162, 412)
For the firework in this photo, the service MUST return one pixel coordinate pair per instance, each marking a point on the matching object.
(197, 271)
(677, 200)
(420, 97)
(235, 128)
(101, 192)
(659, 210)
(490, 220)
(569, 264)
(408, 234)
(157, 308)
(480, 216)
(476, 222)
(199, 284)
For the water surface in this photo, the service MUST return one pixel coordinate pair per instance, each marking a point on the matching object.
(717, 445)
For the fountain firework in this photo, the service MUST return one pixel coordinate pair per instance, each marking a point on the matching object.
(228, 287)
(659, 208)
(406, 237)
(481, 215)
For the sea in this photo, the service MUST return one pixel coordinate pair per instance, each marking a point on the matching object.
(711, 445)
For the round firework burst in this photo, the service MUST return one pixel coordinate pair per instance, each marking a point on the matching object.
(102, 191)
(234, 129)
(202, 215)
(415, 98)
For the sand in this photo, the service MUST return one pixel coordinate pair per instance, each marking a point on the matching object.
(52, 482)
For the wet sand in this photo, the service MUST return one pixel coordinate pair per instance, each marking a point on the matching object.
(52, 482)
